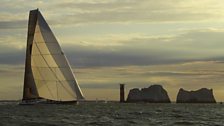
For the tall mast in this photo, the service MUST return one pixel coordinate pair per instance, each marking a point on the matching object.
(29, 89)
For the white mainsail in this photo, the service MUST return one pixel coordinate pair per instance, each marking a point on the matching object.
(49, 75)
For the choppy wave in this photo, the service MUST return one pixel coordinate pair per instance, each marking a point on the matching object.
(12, 114)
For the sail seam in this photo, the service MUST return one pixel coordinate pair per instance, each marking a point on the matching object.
(42, 77)
(53, 72)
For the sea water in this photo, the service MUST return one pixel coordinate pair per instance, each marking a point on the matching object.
(111, 114)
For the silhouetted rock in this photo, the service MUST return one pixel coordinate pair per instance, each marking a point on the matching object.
(153, 94)
(203, 95)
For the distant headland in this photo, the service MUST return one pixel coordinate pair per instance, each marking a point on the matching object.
(153, 94)
(202, 95)
(157, 94)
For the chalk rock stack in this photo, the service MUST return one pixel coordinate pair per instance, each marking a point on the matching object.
(202, 95)
(152, 94)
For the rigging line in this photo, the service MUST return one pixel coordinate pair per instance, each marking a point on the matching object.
(53, 71)
(44, 80)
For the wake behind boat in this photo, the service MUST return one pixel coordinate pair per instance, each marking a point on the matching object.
(48, 75)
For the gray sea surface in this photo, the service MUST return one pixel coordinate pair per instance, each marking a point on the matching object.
(111, 114)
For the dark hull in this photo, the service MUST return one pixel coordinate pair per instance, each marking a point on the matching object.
(60, 102)
(34, 102)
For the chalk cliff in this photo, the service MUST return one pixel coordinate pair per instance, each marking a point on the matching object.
(153, 94)
(203, 95)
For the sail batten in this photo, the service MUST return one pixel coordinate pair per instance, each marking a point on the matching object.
(51, 73)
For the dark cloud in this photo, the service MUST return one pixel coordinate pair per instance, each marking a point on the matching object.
(196, 45)
(13, 58)
(10, 54)
(175, 73)
(187, 47)
(17, 24)
(110, 85)
(85, 56)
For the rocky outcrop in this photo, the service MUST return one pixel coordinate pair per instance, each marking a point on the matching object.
(203, 95)
(153, 94)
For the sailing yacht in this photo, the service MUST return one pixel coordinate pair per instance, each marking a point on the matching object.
(48, 75)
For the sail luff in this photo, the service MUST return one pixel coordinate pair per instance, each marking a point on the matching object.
(78, 91)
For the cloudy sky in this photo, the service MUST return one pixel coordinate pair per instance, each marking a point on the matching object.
(175, 43)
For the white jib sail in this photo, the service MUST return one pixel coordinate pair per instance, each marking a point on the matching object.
(52, 73)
